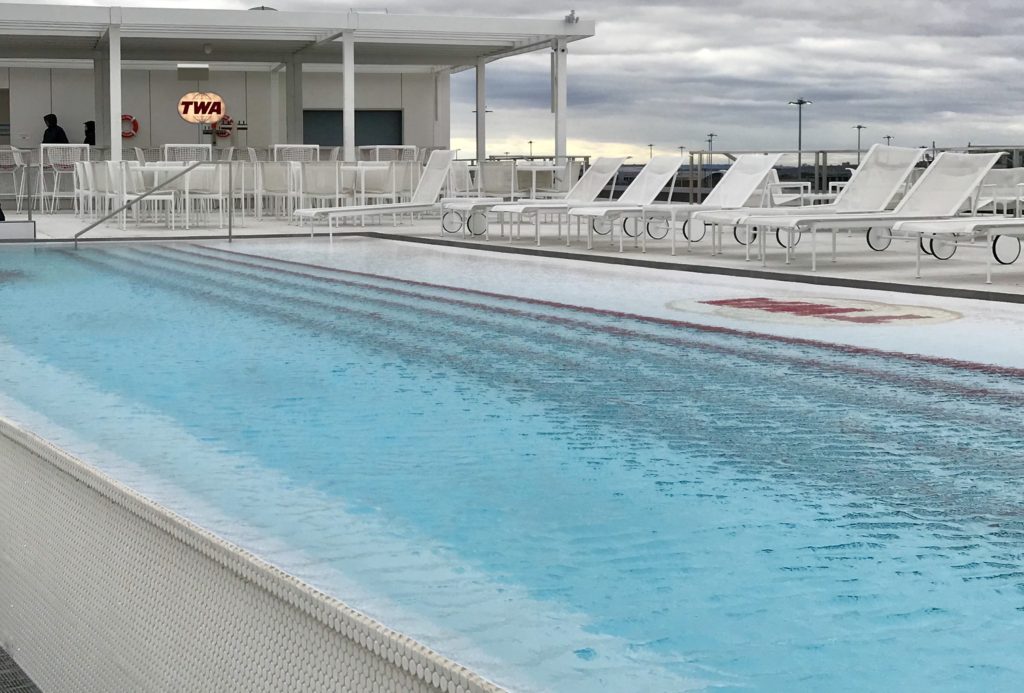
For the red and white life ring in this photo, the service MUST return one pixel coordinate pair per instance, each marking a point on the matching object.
(132, 128)
(223, 128)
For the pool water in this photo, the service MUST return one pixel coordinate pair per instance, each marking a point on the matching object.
(560, 498)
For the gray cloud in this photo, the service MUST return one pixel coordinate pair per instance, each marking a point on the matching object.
(668, 72)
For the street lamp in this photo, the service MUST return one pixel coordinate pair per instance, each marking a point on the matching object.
(799, 103)
(888, 139)
(681, 148)
(711, 146)
(650, 150)
(531, 149)
(859, 127)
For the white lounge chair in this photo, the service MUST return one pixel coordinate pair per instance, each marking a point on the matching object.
(748, 177)
(424, 199)
(1000, 233)
(939, 193)
(585, 191)
(883, 172)
(641, 192)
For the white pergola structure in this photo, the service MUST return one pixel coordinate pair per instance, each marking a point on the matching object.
(116, 37)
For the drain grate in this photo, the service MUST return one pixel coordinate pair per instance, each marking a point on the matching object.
(12, 678)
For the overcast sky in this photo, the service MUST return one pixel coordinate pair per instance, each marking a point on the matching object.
(668, 73)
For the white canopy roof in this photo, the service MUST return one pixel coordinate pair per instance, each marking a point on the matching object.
(68, 32)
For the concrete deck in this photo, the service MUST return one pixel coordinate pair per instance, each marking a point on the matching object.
(856, 265)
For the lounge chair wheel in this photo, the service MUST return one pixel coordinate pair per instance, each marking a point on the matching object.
(741, 236)
(780, 238)
(878, 239)
(690, 234)
(452, 222)
(600, 226)
(925, 248)
(476, 223)
(942, 249)
(658, 228)
(626, 226)
(1005, 249)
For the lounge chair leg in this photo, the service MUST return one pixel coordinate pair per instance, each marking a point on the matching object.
(833, 245)
(814, 249)
(917, 260)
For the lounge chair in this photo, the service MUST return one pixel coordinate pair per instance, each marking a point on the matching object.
(470, 214)
(939, 193)
(641, 192)
(424, 198)
(585, 191)
(746, 178)
(941, 237)
(873, 187)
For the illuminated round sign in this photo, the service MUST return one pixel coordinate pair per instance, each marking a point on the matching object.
(201, 107)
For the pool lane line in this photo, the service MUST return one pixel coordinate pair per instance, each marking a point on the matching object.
(929, 384)
(282, 312)
(946, 362)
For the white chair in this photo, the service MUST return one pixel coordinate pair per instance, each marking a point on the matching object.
(296, 152)
(187, 152)
(585, 191)
(460, 181)
(642, 192)
(424, 199)
(279, 184)
(127, 183)
(321, 184)
(875, 185)
(59, 161)
(939, 193)
(13, 163)
(1001, 192)
(379, 182)
(497, 179)
(140, 155)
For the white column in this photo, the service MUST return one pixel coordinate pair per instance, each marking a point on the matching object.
(442, 109)
(101, 98)
(481, 111)
(348, 96)
(560, 92)
(294, 101)
(276, 135)
(114, 39)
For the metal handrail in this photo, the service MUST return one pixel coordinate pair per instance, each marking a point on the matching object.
(146, 194)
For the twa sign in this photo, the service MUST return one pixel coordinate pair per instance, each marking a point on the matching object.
(201, 107)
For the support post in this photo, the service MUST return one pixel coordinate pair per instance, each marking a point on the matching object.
(348, 96)
(276, 131)
(293, 102)
(114, 72)
(560, 92)
(481, 111)
(101, 97)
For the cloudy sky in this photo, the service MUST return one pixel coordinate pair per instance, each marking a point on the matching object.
(668, 73)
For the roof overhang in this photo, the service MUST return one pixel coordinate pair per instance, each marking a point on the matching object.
(67, 32)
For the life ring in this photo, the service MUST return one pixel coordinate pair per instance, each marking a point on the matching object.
(133, 126)
(223, 128)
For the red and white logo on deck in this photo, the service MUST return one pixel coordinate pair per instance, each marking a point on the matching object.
(826, 310)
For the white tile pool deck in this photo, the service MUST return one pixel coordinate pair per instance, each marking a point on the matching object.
(965, 271)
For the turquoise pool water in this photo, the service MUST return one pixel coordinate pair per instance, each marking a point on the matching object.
(563, 499)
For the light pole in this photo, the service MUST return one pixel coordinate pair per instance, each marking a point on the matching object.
(859, 127)
(888, 139)
(681, 148)
(711, 146)
(650, 151)
(531, 149)
(799, 103)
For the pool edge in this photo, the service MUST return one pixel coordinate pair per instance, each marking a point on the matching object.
(249, 620)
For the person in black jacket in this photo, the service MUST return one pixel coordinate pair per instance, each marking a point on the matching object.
(54, 133)
(90, 132)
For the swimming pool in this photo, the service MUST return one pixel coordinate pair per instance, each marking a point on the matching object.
(562, 498)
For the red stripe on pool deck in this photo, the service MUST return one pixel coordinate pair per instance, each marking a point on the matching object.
(988, 368)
